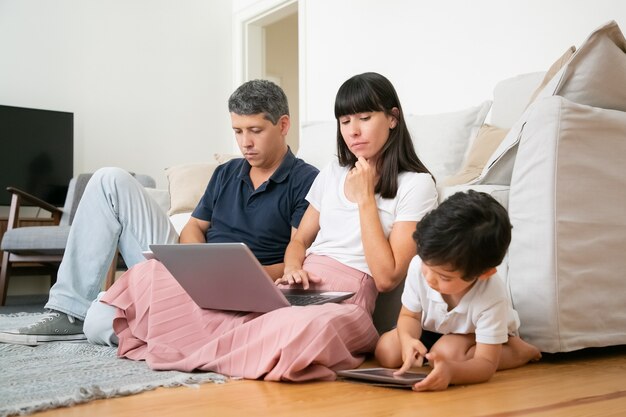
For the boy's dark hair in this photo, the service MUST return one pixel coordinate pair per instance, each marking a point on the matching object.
(369, 92)
(259, 96)
(469, 232)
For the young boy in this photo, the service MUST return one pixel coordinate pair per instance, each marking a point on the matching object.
(455, 310)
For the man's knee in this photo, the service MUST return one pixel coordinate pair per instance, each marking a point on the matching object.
(111, 175)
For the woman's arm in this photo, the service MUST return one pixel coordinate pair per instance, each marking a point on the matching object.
(388, 259)
(296, 250)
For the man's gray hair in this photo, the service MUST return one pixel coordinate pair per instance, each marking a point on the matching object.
(259, 96)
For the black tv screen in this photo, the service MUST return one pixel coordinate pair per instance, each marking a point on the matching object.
(36, 153)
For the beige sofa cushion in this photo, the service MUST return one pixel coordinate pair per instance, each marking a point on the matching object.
(187, 183)
(486, 142)
(552, 71)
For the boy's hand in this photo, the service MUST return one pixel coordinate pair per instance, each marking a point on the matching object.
(439, 378)
(412, 355)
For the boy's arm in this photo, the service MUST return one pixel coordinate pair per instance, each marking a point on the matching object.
(478, 369)
(409, 332)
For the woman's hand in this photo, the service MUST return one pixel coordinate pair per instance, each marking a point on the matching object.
(295, 276)
(361, 182)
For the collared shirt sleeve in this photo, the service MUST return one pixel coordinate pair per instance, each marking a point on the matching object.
(412, 296)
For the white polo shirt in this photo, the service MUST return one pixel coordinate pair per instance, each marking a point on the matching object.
(485, 310)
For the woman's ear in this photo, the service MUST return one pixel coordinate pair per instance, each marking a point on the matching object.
(395, 115)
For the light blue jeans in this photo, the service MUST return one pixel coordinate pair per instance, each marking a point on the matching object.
(114, 212)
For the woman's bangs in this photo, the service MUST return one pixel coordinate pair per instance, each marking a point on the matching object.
(353, 99)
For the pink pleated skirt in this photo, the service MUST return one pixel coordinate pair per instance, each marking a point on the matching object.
(158, 322)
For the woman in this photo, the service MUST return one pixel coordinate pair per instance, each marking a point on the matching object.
(355, 236)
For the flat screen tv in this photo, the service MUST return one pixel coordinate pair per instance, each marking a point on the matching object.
(36, 153)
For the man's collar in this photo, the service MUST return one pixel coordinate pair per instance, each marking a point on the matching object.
(281, 173)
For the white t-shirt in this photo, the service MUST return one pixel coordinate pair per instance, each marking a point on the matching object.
(485, 310)
(339, 236)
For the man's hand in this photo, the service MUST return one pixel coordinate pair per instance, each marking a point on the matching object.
(295, 276)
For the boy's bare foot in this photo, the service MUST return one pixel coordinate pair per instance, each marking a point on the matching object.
(517, 352)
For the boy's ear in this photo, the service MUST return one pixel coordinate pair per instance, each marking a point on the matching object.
(488, 273)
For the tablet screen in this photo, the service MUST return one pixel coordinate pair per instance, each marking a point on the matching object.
(383, 375)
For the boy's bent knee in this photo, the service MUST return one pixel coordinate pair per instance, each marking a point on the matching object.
(388, 350)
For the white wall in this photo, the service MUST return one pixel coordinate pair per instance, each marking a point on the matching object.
(441, 56)
(147, 80)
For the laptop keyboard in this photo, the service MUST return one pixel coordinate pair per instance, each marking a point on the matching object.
(303, 300)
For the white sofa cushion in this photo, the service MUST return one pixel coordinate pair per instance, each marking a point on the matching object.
(441, 140)
(566, 205)
(511, 97)
(318, 143)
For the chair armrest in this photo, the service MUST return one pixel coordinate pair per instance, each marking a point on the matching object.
(16, 201)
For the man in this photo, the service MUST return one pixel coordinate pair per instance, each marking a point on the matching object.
(258, 200)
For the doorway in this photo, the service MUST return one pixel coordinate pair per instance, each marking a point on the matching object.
(266, 46)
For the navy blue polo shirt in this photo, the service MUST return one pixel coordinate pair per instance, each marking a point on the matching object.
(261, 218)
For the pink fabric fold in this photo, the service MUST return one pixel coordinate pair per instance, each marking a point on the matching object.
(158, 322)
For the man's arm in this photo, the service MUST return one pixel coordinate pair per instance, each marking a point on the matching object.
(275, 271)
(194, 231)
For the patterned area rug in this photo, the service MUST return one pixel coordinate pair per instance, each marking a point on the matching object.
(60, 374)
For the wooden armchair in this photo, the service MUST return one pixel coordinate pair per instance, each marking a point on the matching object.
(38, 250)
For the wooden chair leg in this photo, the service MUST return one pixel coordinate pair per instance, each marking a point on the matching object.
(110, 279)
(4, 277)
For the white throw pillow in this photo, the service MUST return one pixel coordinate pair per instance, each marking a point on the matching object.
(318, 143)
(511, 97)
(442, 139)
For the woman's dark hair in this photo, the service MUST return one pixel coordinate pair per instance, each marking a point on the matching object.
(371, 92)
(469, 232)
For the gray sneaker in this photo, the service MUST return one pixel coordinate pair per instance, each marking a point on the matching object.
(53, 326)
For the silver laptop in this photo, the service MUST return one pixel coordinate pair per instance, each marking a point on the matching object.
(227, 276)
